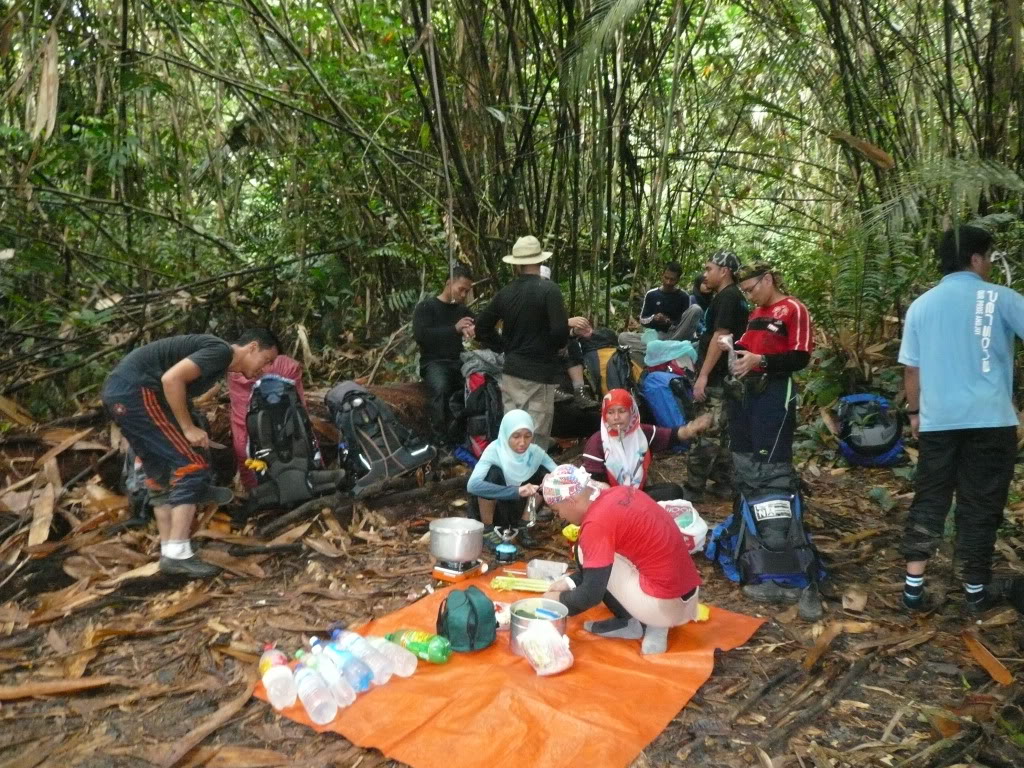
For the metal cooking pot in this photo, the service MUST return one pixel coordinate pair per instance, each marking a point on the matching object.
(521, 623)
(456, 539)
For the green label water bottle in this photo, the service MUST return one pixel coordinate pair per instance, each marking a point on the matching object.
(433, 648)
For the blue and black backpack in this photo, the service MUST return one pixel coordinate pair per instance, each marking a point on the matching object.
(871, 433)
(764, 540)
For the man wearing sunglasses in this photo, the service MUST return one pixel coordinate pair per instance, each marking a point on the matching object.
(777, 343)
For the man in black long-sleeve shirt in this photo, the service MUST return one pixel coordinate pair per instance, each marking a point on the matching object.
(439, 325)
(535, 327)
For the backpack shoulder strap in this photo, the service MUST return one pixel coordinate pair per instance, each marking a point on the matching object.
(442, 618)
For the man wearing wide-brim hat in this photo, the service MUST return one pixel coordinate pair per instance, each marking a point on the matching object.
(534, 328)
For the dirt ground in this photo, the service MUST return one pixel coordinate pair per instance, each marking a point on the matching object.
(104, 664)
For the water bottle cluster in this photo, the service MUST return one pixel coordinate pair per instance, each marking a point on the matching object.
(331, 673)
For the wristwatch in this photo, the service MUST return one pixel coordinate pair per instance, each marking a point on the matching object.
(764, 362)
(914, 412)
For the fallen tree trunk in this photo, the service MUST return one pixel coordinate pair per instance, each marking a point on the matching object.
(341, 504)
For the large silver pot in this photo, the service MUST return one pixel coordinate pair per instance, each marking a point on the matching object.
(456, 539)
(521, 623)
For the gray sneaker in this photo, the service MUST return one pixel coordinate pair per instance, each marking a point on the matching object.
(810, 607)
(192, 567)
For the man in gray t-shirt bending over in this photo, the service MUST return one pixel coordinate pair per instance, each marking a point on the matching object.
(148, 395)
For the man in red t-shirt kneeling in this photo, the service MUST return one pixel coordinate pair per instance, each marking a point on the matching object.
(633, 557)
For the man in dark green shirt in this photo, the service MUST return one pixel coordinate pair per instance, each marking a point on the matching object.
(148, 396)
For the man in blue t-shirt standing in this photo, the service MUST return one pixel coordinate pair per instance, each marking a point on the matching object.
(958, 345)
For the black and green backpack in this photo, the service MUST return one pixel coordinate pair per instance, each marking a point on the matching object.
(466, 618)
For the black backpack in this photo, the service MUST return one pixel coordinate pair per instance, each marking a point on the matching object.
(483, 411)
(765, 538)
(375, 445)
(281, 437)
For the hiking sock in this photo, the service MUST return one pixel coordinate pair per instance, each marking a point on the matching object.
(176, 549)
(622, 629)
(913, 591)
(655, 641)
(975, 593)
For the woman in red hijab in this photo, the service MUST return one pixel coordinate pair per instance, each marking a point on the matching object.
(620, 454)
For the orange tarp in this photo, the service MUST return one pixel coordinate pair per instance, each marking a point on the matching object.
(489, 708)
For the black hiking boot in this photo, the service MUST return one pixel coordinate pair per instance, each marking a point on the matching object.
(923, 603)
(995, 594)
(561, 396)
(583, 401)
(192, 567)
(525, 538)
(771, 592)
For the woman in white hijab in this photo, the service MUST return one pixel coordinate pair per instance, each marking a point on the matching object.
(509, 472)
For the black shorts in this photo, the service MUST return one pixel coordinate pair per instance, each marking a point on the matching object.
(176, 473)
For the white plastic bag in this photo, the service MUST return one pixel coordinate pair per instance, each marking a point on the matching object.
(690, 523)
(546, 650)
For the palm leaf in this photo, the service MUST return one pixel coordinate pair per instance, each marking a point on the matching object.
(597, 29)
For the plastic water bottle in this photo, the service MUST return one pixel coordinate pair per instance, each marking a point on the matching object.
(433, 648)
(315, 695)
(277, 677)
(338, 686)
(727, 339)
(356, 644)
(356, 673)
(402, 660)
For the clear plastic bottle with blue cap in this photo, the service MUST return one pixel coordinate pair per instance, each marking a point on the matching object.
(355, 672)
(356, 644)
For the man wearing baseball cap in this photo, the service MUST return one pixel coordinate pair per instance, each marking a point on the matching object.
(632, 555)
(710, 458)
(534, 329)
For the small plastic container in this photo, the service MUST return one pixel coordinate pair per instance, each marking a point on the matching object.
(545, 569)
